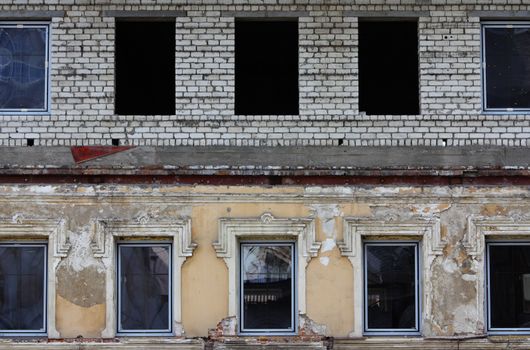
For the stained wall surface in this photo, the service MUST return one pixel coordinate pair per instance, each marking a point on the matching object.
(453, 225)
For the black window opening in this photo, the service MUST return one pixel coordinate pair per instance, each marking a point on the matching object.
(267, 290)
(508, 287)
(391, 297)
(22, 289)
(388, 68)
(144, 288)
(24, 69)
(506, 67)
(266, 67)
(145, 68)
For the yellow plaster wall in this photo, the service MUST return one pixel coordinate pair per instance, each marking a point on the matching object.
(73, 320)
(205, 277)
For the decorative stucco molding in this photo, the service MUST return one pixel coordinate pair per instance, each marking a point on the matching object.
(104, 246)
(265, 226)
(426, 229)
(52, 230)
(268, 226)
(478, 228)
(356, 228)
(179, 229)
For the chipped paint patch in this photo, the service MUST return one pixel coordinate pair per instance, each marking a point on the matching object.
(327, 245)
(324, 260)
(327, 214)
(465, 319)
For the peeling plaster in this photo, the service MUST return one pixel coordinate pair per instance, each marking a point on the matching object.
(465, 319)
(81, 256)
(309, 327)
(327, 245)
(324, 260)
(327, 213)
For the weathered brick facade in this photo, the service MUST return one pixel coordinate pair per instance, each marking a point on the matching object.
(82, 82)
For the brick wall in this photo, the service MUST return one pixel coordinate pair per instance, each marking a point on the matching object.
(82, 82)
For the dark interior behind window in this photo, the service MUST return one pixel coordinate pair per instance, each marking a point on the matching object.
(507, 74)
(266, 60)
(23, 70)
(388, 67)
(267, 287)
(22, 279)
(145, 68)
(509, 283)
(391, 287)
(145, 289)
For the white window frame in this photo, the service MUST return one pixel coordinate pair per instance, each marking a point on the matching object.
(294, 322)
(490, 329)
(417, 267)
(232, 230)
(484, 26)
(47, 95)
(144, 244)
(53, 232)
(108, 232)
(421, 229)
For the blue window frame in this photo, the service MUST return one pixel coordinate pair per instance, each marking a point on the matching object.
(24, 67)
(23, 305)
(391, 288)
(267, 294)
(145, 289)
(508, 287)
(506, 67)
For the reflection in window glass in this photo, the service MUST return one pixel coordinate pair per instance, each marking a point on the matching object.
(23, 68)
(509, 285)
(391, 280)
(507, 73)
(144, 288)
(22, 281)
(267, 287)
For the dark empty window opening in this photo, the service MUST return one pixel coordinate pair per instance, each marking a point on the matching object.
(266, 61)
(145, 68)
(388, 67)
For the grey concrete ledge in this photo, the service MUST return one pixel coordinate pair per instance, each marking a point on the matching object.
(507, 15)
(387, 14)
(265, 14)
(143, 14)
(334, 161)
(30, 14)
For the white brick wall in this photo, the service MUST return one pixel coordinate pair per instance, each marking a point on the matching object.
(83, 83)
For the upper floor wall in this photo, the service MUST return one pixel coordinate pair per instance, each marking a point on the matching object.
(82, 79)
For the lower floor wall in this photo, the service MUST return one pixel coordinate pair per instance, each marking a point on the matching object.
(322, 240)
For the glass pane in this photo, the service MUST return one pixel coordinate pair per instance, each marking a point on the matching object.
(391, 286)
(22, 68)
(509, 286)
(267, 273)
(144, 287)
(507, 52)
(22, 288)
